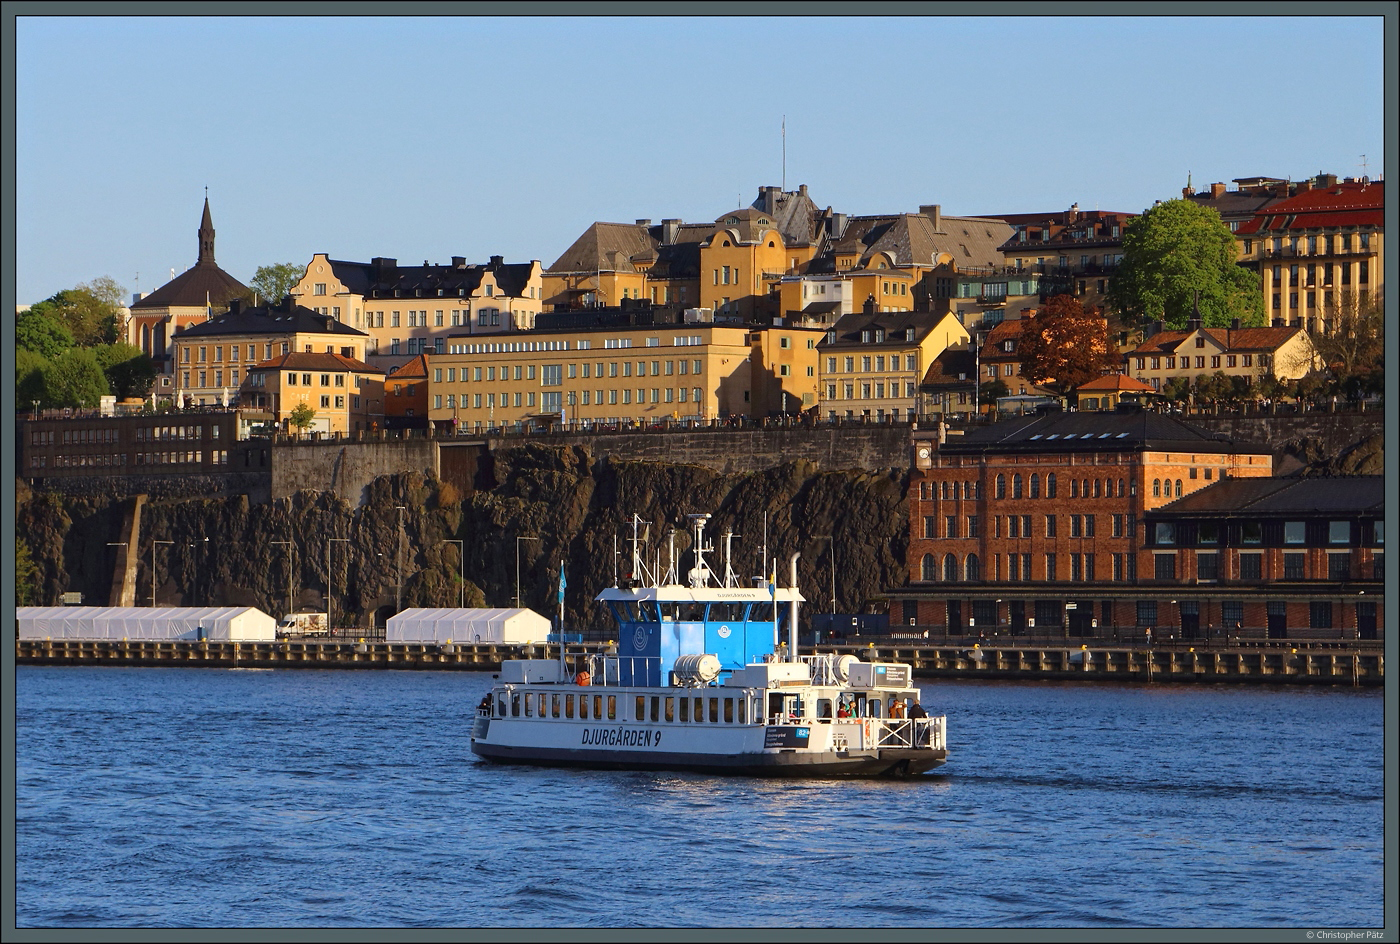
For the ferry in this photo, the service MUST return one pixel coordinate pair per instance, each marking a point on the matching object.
(700, 680)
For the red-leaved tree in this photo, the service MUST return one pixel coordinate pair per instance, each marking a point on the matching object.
(1065, 345)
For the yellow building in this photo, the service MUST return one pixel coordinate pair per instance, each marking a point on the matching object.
(784, 363)
(1284, 353)
(346, 394)
(599, 375)
(871, 363)
(212, 358)
(411, 310)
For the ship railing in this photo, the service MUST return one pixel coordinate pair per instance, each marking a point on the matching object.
(823, 668)
(925, 733)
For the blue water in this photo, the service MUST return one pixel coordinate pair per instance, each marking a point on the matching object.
(298, 798)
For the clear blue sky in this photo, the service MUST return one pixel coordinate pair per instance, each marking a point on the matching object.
(424, 138)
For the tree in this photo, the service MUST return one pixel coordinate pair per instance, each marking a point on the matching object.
(1353, 351)
(301, 416)
(274, 282)
(1175, 252)
(90, 311)
(29, 378)
(26, 575)
(1177, 389)
(1065, 345)
(37, 332)
(994, 390)
(129, 371)
(75, 379)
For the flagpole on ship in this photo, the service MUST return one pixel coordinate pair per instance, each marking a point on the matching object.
(563, 664)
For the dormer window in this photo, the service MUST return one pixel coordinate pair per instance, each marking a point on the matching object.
(831, 337)
(865, 336)
(879, 335)
(1008, 346)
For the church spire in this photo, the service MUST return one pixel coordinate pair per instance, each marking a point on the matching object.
(206, 235)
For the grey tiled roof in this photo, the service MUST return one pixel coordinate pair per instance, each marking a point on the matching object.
(270, 320)
(1096, 432)
(1266, 496)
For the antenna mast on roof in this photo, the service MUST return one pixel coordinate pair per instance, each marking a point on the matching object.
(784, 187)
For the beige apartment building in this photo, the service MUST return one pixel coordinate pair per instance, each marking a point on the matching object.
(784, 365)
(871, 363)
(214, 357)
(411, 310)
(346, 394)
(1284, 353)
(596, 376)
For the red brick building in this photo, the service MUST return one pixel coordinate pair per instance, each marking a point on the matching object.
(1035, 522)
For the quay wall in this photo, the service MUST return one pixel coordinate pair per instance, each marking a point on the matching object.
(1297, 664)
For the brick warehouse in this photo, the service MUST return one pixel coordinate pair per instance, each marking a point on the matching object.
(1036, 524)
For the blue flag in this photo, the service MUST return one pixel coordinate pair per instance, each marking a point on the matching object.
(562, 582)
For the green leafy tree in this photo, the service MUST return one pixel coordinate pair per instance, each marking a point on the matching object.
(302, 416)
(1064, 345)
(993, 391)
(37, 332)
(274, 282)
(1177, 389)
(129, 371)
(75, 379)
(29, 379)
(90, 312)
(1178, 251)
(26, 575)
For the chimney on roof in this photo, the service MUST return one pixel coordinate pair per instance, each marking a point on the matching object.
(1072, 216)
(1158, 327)
(1188, 192)
(1304, 186)
(1235, 324)
(767, 201)
(234, 304)
(933, 211)
(671, 228)
(1217, 190)
(838, 225)
(802, 189)
(459, 262)
(497, 261)
(869, 306)
(1278, 323)
(644, 223)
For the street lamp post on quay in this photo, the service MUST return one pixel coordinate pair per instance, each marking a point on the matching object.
(518, 539)
(462, 567)
(153, 569)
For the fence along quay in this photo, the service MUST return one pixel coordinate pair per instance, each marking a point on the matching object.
(1294, 663)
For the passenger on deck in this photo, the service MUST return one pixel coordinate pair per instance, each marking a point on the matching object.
(896, 708)
(917, 712)
(843, 710)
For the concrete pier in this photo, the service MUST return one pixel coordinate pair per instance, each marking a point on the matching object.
(1283, 665)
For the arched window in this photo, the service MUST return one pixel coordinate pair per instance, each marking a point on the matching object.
(1097, 493)
(928, 568)
(946, 489)
(1156, 488)
(1178, 488)
(1001, 486)
(1050, 485)
(967, 491)
(1120, 488)
(923, 491)
(146, 339)
(972, 569)
(950, 568)
(1016, 485)
(1084, 488)
(1074, 488)
(1035, 485)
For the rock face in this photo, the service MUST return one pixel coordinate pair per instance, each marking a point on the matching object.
(577, 507)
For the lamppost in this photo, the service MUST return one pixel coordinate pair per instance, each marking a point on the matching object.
(398, 590)
(289, 573)
(518, 539)
(194, 591)
(330, 595)
(153, 568)
(462, 566)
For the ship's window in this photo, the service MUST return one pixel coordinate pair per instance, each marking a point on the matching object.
(647, 611)
(699, 709)
(612, 707)
(714, 711)
(583, 706)
(655, 708)
(729, 711)
(641, 708)
(501, 706)
(671, 709)
(554, 706)
(761, 613)
(544, 704)
(824, 708)
(515, 706)
(726, 612)
(626, 611)
(668, 612)
(598, 706)
(528, 712)
(685, 709)
(568, 706)
(742, 703)
(692, 612)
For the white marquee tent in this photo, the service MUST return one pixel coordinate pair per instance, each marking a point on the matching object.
(498, 625)
(219, 623)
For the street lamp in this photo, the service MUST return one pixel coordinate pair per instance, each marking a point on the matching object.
(289, 573)
(329, 573)
(153, 568)
(518, 539)
(462, 565)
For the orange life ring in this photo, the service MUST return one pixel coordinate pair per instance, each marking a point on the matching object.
(583, 678)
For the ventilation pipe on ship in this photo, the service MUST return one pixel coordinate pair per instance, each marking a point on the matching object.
(792, 618)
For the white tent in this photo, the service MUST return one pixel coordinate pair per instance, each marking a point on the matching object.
(219, 623)
(500, 625)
